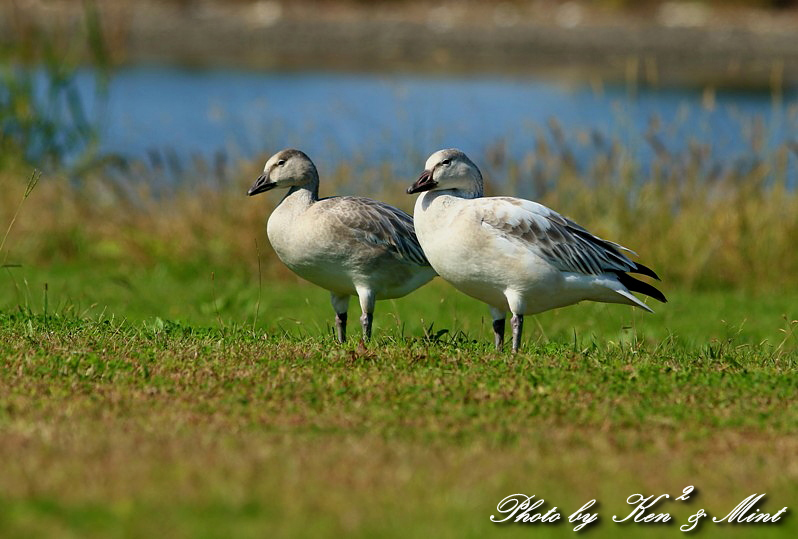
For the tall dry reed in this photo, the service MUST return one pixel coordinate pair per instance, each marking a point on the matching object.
(738, 230)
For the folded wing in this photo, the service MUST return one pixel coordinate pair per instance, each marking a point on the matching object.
(379, 224)
(561, 242)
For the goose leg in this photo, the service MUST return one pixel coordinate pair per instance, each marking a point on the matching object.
(340, 327)
(365, 321)
(499, 317)
(341, 305)
(517, 321)
(367, 301)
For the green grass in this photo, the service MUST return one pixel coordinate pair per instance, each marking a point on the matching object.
(151, 402)
(217, 297)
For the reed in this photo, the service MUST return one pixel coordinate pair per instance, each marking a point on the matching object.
(43, 116)
(737, 230)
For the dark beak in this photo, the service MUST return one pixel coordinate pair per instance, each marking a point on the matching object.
(423, 183)
(261, 185)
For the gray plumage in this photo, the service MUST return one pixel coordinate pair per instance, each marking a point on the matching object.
(348, 245)
(379, 224)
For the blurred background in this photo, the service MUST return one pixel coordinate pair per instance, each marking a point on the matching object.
(669, 126)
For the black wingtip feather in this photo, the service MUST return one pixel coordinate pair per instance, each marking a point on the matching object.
(645, 270)
(636, 285)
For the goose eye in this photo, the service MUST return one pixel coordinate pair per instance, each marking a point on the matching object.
(446, 162)
(281, 162)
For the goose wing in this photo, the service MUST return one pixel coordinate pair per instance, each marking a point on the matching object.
(558, 240)
(379, 224)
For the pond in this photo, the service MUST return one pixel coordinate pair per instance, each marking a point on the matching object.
(399, 119)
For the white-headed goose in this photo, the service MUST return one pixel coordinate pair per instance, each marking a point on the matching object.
(514, 254)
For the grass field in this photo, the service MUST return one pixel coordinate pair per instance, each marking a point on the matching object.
(153, 403)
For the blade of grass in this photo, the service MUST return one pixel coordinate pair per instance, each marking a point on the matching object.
(32, 181)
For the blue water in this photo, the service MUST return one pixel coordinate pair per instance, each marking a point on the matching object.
(400, 119)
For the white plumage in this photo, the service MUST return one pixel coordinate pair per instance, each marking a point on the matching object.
(347, 245)
(514, 254)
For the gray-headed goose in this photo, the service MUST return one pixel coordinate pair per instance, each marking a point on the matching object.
(347, 245)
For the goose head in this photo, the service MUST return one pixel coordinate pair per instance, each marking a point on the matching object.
(449, 170)
(287, 168)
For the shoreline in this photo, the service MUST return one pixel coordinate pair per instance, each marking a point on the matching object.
(731, 48)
